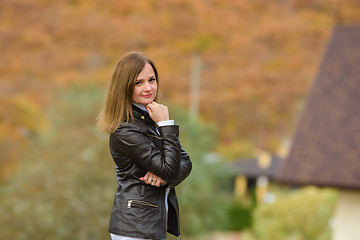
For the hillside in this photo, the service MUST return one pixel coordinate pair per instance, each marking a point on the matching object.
(258, 58)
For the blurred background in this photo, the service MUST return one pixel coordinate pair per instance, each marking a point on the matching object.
(234, 74)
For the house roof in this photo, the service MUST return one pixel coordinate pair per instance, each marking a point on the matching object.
(251, 168)
(326, 146)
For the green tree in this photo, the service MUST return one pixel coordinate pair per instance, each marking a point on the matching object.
(65, 185)
(207, 193)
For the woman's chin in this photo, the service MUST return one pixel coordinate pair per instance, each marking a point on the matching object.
(145, 102)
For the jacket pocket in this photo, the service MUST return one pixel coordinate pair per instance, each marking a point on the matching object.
(138, 203)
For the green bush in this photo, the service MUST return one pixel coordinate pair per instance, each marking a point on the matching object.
(300, 215)
(240, 217)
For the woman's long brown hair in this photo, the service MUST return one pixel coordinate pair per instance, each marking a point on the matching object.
(117, 105)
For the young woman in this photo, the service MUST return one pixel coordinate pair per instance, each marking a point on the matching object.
(145, 146)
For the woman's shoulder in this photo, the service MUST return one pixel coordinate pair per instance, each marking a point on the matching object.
(129, 126)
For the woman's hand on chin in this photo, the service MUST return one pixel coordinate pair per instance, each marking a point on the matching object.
(158, 112)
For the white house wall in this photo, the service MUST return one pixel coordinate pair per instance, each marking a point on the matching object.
(347, 216)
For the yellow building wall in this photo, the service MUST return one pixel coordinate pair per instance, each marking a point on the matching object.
(240, 186)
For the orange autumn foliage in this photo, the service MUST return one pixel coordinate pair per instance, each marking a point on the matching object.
(258, 57)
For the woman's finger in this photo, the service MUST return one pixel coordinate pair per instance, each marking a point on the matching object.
(146, 177)
(152, 179)
(158, 112)
(153, 183)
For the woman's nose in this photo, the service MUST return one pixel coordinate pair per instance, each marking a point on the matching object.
(147, 87)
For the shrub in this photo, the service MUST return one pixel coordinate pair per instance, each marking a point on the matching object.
(300, 215)
(240, 217)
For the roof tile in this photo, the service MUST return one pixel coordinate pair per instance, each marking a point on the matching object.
(326, 145)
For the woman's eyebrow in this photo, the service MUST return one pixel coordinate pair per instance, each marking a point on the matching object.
(141, 79)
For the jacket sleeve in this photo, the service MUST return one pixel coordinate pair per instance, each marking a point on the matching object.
(185, 169)
(136, 146)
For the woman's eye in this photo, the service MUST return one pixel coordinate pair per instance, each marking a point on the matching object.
(137, 83)
(152, 80)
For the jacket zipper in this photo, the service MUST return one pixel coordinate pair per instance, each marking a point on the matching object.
(155, 136)
(140, 203)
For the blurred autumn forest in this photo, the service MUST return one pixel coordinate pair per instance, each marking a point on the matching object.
(258, 59)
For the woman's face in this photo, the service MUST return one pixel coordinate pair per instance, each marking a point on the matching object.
(145, 86)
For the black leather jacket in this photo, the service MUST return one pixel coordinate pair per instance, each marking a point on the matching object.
(139, 209)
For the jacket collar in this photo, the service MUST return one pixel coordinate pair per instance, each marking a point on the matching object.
(143, 116)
